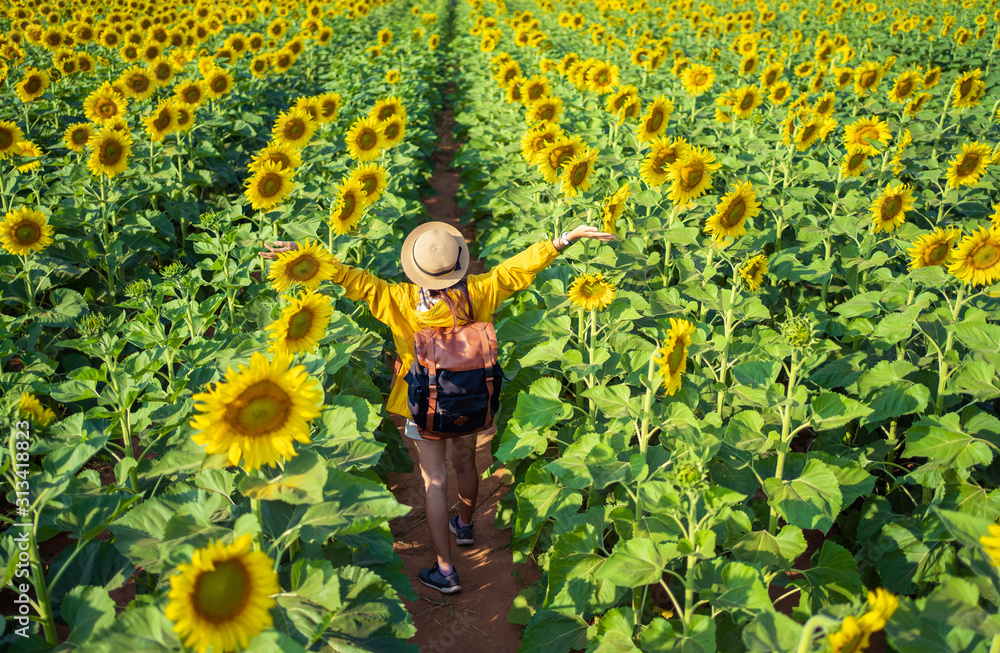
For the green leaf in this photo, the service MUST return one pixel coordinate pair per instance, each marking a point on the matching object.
(614, 401)
(88, 610)
(67, 460)
(353, 505)
(978, 335)
(812, 500)
(895, 400)
(554, 632)
(539, 502)
(864, 305)
(831, 410)
(604, 466)
(546, 352)
(946, 446)
(770, 632)
(303, 481)
(770, 551)
(614, 632)
(67, 306)
(659, 636)
(883, 373)
(637, 562)
(572, 568)
(87, 515)
(832, 578)
(756, 374)
(733, 586)
(746, 431)
(346, 436)
(540, 408)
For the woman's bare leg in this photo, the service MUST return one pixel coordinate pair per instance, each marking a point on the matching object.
(431, 457)
(463, 459)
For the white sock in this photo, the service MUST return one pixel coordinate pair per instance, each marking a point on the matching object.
(445, 570)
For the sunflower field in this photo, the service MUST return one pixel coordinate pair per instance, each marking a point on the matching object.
(765, 418)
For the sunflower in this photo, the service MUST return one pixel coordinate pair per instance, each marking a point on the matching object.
(691, 176)
(24, 231)
(749, 64)
(351, 200)
(867, 77)
(109, 151)
(163, 71)
(138, 83)
(28, 149)
(310, 103)
(257, 412)
(591, 292)
(932, 77)
(32, 85)
(191, 93)
(697, 79)
(373, 179)
(672, 356)
(576, 173)
(162, 121)
(753, 272)
(259, 65)
(745, 100)
(654, 122)
(185, 116)
(825, 105)
(889, 209)
(852, 637)
(614, 206)
(508, 70)
(780, 92)
(218, 82)
(222, 599)
(294, 127)
(976, 260)
(514, 90)
(310, 265)
(285, 155)
(862, 132)
(906, 86)
(620, 99)
(771, 75)
(855, 162)
(392, 76)
(301, 325)
(655, 168)
(732, 213)
(545, 109)
(842, 76)
(813, 128)
(968, 89)
(602, 77)
(388, 108)
(329, 105)
(537, 138)
(967, 168)
(10, 136)
(365, 139)
(935, 248)
(392, 130)
(916, 104)
(991, 544)
(269, 185)
(554, 156)
(29, 406)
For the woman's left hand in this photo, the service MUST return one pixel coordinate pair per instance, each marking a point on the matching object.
(282, 246)
(587, 231)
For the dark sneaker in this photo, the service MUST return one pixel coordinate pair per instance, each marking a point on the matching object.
(463, 534)
(432, 577)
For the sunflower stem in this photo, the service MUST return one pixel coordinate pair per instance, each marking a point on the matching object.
(44, 605)
(949, 341)
(591, 380)
(27, 280)
(786, 423)
(258, 542)
(727, 329)
(581, 333)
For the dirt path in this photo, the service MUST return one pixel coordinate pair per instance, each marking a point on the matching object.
(490, 580)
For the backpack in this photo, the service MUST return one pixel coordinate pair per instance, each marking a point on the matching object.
(455, 381)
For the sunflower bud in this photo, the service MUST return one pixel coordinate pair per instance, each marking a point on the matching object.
(172, 271)
(209, 220)
(688, 477)
(798, 332)
(138, 289)
(91, 324)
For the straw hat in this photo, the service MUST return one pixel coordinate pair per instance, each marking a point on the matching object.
(435, 256)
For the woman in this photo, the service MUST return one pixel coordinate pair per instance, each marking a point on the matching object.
(435, 257)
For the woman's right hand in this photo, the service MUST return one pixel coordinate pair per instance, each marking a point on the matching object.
(281, 246)
(587, 231)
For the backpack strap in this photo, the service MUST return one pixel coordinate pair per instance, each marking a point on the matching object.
(489, 360)
(432, 388)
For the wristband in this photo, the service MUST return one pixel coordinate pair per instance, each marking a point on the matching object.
(564, 240)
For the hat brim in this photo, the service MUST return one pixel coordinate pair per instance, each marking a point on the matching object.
(425, 280)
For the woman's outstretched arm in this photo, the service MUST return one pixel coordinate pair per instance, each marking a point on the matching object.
(358, 284)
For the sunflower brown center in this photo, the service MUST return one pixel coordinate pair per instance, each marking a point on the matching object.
(107, 108)
(579, 174)
(692, 175)
(270, 185)
(867, 79)
(770, 77)
(866, 134)
(936, 254)
(823, 106)
(699, 78)
(298, 326)
(891, 207)
(367, 140)
(904, 88)
(6, 139)
(592, 289)
(138, 83)
(221, 594)
(295, 129)
(111, 153)
(261, 408)
(347, 211)
(162, 121)
(191, 94)
(655, 120)
(856, 160)
(220, 84)
(33, 85)
(807, 133)
(27, 233)
(391, 130)
(279, 157)
(747, 102)
(969, 163)
(303, 268)
(733, 215)
(985, 256)
(676, 357)
(369, 183)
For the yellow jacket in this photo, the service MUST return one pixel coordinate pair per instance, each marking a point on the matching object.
(395, 303)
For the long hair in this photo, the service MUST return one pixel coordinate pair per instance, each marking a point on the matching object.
(462, 287)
